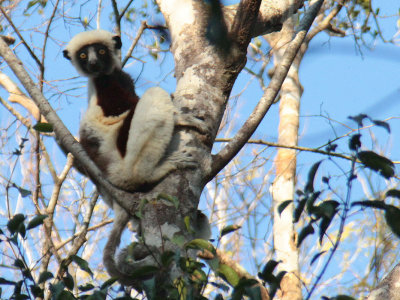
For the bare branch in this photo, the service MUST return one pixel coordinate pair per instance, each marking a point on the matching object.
(17, 96)
(142, 27)
(80, 239)
(299, 148)
(21, 38)
(221, 159)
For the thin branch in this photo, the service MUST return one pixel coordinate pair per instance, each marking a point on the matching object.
(17, 96)
(221, 159)
(142, 27)
(117, 17)
(325, 23)
(121, 15)
(299, 148)
(81, 238)
(21, 38)
(98, 14)
(343, 218)
(94, 227)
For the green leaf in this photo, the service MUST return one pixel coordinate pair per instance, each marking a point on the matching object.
(283, 205)
(229, 229)
(228, 274)
(172, 199)
(37, 291)
(23, 192)
(19, 264)
(309, 229)
(86, 287)
(379, 204)
(316, 256)
(327, 209)
(5, 281)
(36, 221)
(144, 272)
(382, 124)
(178, 239)
(83, 264)
(200, 244)
(392, 216)
(188, 225)
(267, 271)
(97, 295)
(65, 295)
(323, 226)
(68, 281)
(310, 200)
(311, 176)
(44, 276)
(167, 258)
(355, 142)
(15, 223)
(139, 212)
(359, 119)
(376, 162)
(299, 210)
(393, 193)
(108, 283)
(342, 297)
(43, 127)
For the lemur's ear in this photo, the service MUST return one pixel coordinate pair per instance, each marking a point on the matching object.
(117, 40)
(66, 54)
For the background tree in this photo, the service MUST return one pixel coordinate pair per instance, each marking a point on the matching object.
(209, 47)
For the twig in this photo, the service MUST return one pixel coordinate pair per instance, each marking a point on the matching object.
(98, 14)
(117, 18)
(221, 159)
(341, 228)
(21, 38)
(142, 27)
(299, 148)
(17, 96)
(81, 238)
(121, 15)
(97, 226)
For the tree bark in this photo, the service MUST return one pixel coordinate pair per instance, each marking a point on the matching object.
(283, 187)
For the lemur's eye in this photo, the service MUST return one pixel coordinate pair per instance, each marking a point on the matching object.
(83, 55)
(102, 51)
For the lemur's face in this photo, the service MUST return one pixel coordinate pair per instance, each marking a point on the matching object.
(94, 60)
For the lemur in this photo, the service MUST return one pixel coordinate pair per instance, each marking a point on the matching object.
(125, 136)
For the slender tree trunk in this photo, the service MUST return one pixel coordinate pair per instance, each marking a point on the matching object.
(284, 184)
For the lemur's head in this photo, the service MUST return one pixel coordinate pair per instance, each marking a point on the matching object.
(94, 53)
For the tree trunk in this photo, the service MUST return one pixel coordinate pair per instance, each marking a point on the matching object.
(283, 188)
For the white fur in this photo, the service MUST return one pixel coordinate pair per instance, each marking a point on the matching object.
(150, 134)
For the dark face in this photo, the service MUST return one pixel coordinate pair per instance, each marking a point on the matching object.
(95, 60)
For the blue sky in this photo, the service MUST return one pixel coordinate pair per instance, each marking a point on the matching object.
(338, 82)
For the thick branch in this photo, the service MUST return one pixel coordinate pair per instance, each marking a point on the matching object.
(243, 23)
(388, 288)
(270, 17)
(17, 96)
(221, 159)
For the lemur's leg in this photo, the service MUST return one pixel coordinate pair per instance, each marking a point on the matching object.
(151, 131)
